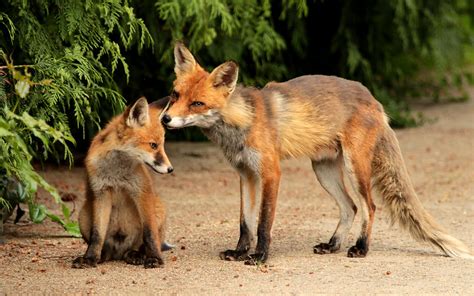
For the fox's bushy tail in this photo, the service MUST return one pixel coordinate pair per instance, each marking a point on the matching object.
(393, 183)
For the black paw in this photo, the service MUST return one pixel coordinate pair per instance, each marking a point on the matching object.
(324, 248)
(233, 255)
(134, 258)
(84, 262)
(256, 259)
(356, 252)
(153, 262)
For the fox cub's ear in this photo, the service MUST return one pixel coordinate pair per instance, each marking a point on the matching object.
(138, 113)
(183, 58)
(225, 75)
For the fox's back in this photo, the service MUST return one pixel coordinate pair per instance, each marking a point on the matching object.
(104, 141)
(312, 111)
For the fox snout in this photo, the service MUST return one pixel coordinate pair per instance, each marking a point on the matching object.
(169, 169)
(174, 122)
(166, 119)
(160, 167)
(160, 164)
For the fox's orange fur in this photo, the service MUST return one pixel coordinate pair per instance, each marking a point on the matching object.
(335, 122)
(123, 217)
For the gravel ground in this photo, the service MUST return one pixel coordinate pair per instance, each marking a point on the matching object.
(202, 198)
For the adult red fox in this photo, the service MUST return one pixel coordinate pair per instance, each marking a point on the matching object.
(123, 217)
(335, 122)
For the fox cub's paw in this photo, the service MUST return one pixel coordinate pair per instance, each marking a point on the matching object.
(84, 262)
(233, 255)
(153, 262)
(134, 258)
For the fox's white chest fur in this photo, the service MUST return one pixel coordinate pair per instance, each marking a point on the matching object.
(114, 170)
(232, 141)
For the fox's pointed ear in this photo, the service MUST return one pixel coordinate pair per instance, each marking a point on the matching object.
(225, 75)
(183, 59)
(138, 113)
(161, 105)
(165, 104)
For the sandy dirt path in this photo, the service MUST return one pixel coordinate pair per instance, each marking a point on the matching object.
(203, 205)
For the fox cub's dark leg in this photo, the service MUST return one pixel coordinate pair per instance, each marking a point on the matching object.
(248, 215)
(153, 256)
(100, 216)
(146, 204)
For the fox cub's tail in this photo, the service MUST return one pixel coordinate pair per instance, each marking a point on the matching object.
(392, 181)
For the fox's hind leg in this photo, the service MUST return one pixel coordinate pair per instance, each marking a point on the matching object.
(330, 174)
(101, 207)
(85, 217)
(362, 187)
(358, 150)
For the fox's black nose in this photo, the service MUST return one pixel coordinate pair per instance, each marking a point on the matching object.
(166, 118)
(170, 170)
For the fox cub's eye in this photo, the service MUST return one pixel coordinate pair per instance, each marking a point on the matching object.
(153, 145)
(197, 104)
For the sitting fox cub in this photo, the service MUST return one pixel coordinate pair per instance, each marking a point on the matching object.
(122, 217)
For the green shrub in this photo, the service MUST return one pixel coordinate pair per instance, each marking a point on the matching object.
(68, 51)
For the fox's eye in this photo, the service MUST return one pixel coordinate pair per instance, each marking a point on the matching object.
(197, 103)
(153, 145)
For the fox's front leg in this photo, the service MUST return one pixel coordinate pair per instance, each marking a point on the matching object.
(101, 206)
(151, 236)
(270, 185)
(249, 187)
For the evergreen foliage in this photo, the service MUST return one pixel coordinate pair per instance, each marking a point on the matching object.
(69, 51)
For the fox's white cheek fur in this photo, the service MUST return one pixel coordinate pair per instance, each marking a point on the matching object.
(204, 120)
(176, 122)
